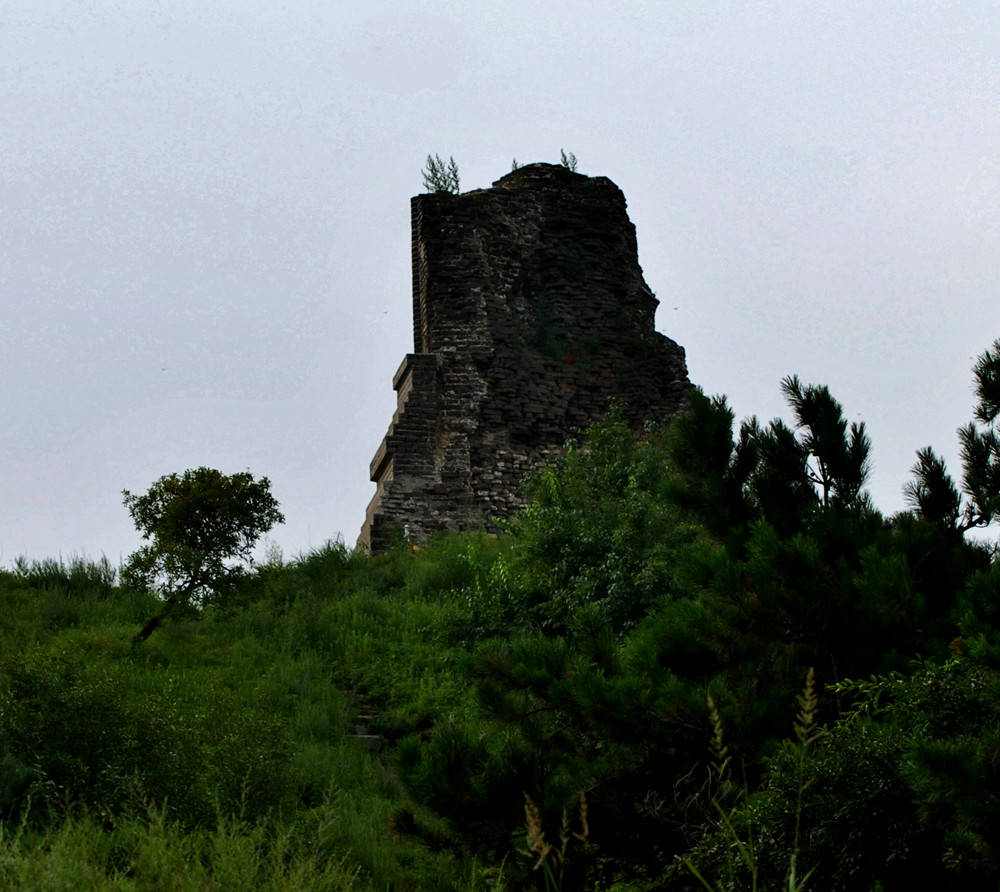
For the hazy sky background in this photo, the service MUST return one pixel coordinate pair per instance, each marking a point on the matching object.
(204, 221)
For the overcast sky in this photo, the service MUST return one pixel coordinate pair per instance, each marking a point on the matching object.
(204, 221)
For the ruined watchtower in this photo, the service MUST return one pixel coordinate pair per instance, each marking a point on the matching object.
(530, 315)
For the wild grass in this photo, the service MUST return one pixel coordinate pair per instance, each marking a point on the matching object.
(551, 859)
(222, 753)
(741, 868)
(155, 853)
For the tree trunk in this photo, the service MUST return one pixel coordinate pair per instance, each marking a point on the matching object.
(172, 601)
(148, 629)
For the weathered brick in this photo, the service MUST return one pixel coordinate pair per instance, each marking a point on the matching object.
(530, 316)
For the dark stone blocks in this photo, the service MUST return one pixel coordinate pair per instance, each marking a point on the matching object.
(530, 316)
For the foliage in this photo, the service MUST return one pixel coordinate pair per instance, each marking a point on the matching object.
(441, 177)
(738, 859)
(646, 571)
(911, 764)
(567, 160)
(78, 733)
(341, 720)
(596, 531)
(198, 523)
(153, 852)
(79, 577)
(227, 746)
(547, 857)
(933, 494)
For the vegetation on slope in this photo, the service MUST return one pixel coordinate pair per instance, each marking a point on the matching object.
(603, 697)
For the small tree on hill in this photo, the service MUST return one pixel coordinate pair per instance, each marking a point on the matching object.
(202, 527)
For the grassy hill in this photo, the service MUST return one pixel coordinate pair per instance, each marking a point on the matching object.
(227, 751)
(698, 659)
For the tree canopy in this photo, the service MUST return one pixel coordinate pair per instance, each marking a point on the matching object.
(202, 527)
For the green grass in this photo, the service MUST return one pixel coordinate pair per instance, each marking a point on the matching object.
(222, 752)
(153, 853)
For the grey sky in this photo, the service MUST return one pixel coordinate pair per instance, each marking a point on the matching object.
(204, 221)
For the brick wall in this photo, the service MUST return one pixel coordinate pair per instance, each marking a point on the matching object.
(530, 315)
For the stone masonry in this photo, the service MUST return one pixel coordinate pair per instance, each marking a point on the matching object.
(530, 316)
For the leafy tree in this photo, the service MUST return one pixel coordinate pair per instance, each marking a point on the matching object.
(933, 494)
(647, 570)
(913, 764)
(202, 527)
(840, 459)
(440, 177)
(598, 530)
(712, 470)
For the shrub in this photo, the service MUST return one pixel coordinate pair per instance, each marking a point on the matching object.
(440, 177)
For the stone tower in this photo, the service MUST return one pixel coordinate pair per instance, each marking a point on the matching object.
(530, 316)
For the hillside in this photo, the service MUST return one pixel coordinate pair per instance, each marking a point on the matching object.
(698, 658)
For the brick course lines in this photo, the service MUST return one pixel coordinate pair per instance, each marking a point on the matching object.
(530, 316)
